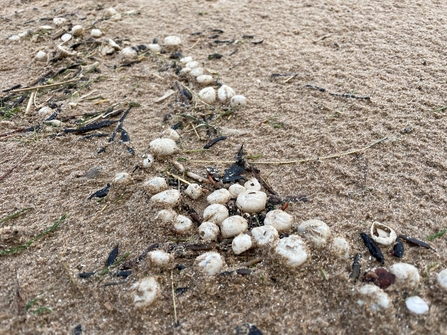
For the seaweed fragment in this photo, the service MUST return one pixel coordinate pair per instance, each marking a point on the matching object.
(233, 174)
(355, 267)
(112, 256)
(214, 141)
(372, 247)
(100, 193)
(89, 127)
(416, 242)
(398, 249)
(86, 274)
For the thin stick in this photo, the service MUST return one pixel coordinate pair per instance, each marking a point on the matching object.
(45, 86)
(194, 44)
(30, 102)
(197, 134)
(73, 282)
(97, 214)
(173, 298)
(14, 167)
(178, 178)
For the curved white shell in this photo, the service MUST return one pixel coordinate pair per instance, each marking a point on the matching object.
(122, 178)
(378, 299)
(170, 133)
(293, 250)
(160, 258)
(182, 224)
(315, 231)
(129, 53)
(196, 72)
(417, 305)
(251, 201)
(236, 189)
(96, 33)
(233, 226)
(205, 79)
(166, 215)
(77, 30)
(154, 47)
(148, 161)
(382, 234)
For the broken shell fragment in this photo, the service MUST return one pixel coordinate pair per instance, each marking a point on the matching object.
(315, 231)
(129, 53)
(253, 185)
(148, 161)
(168, 198)
(171, 133)
(265, 235)
(154, 47)
(185, 60)
(378, 299)
(166, 215)
(192, 65)
(241, 243)
(205, 79)
(208, 231)
(341, 247)
(182, 224)
(163, 147)
(172, 41)
(441, 277)
(225, 93)
(221, 196)
(147, 290)
(238, 100)
(77, 30)
(406, 273)
(233, 226)
(155, 185)
(122, 178)
(236, 189)
(215, 213)
(210, 262)
(208, 95)
(66, 37)
(416, 305)
(382, 234)
(196, 72)
(292, 250)
(194, 191)
(41, 56)
(251, 201)
(279, 219)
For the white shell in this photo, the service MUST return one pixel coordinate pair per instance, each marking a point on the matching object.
(96, 33)
(241, 243)
(41, 56)
(279, 219)
(166, 215)
(163, 147)
(238, 100)
(293, 250)
(205, 79)
(147, 290)
(155, 185)
(378, 299)
(416, 305)
(406, 273)
(210, 262)
(192, 65)
(315, 231)
(45, 27)
(208, 231)
(442, 279)
(122, 178)
(168, 198)
(172, 41)
(109, 12)
(265, 235)
(185, 60)
(251, 201)
(382, 234)
(77, 30)
(341, 247)
(253, 185)
(113, 44)
(45, 111)
(59, 21)
(194, 191)
(14, 38)
(160, 258)
(225, 93)
(221, 196)
(185, 70)
(196, 72)
(66, 37)
(24, 33)
(170, 133)
(182, 224)
(208, 95)
(233, 226)
(148, 161)
(154, 47)
(215, 213)
(236, 189)
(129, 53)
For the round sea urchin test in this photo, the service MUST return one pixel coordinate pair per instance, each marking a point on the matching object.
(251, 201)
(382, 234)
(215, 213)
(205, 79)
(155, 185)
(406, 273)
(233, 226)
(442, 279)
(122, 178)
(241, 243)
(147, 290)
(279, 219)
(238, 100)
(208, 95)
(293, 250)
(208, 231)
(221, 196)
(341, 247)
(210, 262)
(163, 147)
(265, 235)
(315, 231)
(253, 185)
(129, 53)
(194, 191)
(168, 198)
(225, 93)
(172, 41)
(416, 305)
(77, 30)
(236, 189)
(160, 258)
(182, 224)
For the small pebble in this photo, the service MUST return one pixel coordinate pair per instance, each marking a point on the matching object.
(41, 56)
(215, 213)
(292, 250)
(154, 47)
(208, 231)
(182, 224)
(160, 258)
(77, 30)
(238, 100)
(221, 196)
(59, 21)
(315, 231)
(241, 243)
(225, 93)
(147, 290)
(341, 247)
(251, 201)
(378, 298)
(148, 161)
(163, 147)
(208, 95)
(122, 178)
(205, 79)
(416, 305)
(265, 235)
(442, 279)
(96, 33)
(233, 226)
(155, 185)
(253, 185)
(66, 37)
(172, 41)
(406, 273)
(168, 198)
(279, 219)
(210, 262)
(194, 191)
